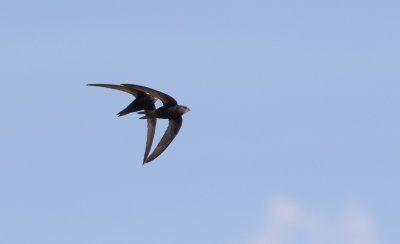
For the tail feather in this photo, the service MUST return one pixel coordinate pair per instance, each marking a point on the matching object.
(132, 107)
(124, 112)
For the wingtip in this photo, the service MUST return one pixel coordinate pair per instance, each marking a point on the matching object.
(146, 161)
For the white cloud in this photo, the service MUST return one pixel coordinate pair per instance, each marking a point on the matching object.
(287, 222)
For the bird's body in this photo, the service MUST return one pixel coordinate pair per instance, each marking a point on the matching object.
(166, 112)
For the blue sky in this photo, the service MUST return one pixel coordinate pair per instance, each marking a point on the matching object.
(293, 133)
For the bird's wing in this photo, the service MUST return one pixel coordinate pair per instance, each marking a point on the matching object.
(169, 135)
(165, 99)
(129, 90)
(151, 128)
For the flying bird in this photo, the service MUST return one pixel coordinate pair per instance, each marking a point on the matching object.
(144, 102)
(170, 110)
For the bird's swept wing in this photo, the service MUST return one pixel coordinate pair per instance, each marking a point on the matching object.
(165, 99)
(129, 90)
(151, 128)
(169, 135)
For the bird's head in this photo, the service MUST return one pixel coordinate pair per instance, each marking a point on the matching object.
(184, 109)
